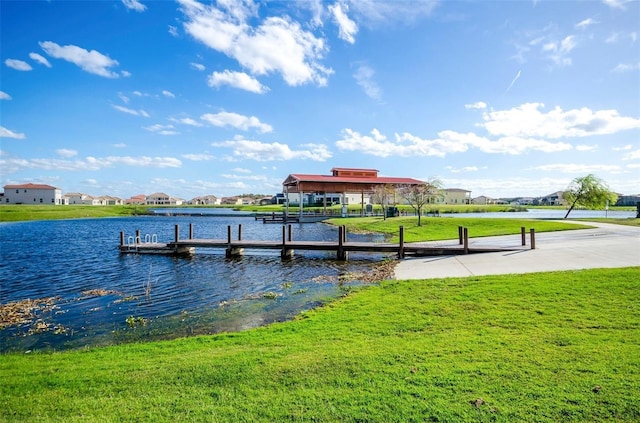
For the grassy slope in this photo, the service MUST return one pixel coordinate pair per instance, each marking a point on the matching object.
(15, 213)
(436, 228)
(560, 346)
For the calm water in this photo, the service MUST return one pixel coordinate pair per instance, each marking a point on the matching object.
(157, 296)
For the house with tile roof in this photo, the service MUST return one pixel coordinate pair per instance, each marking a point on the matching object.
(33, 194)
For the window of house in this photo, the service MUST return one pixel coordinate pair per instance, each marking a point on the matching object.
(41, 200)
(17, 191)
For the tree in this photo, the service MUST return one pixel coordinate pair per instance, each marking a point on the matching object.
(590, 192)
(382, 194)
(419, 195)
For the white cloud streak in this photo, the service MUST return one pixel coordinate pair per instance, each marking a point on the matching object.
(90, 61)
(364, 77)
(8, 133)
(19, 65)
(263, 152)
(134, 5)
(40, 59)
(131, 111)
(4, 96)
(237, 121)
(237, 80)
(347, 29)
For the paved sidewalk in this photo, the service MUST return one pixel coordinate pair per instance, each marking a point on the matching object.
(607, 245)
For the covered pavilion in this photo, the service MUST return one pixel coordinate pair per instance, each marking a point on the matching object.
(341, 181)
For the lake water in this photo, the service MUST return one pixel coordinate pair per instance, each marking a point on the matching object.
(98, 296)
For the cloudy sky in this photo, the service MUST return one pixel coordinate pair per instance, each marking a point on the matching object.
(502, 98)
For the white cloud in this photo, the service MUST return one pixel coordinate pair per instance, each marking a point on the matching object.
(632, 155)
(577, 168)
(585, 23)
(277, 45)
(262, 152)
(626, 68)
(375, 12)
(168, 94)
(119, 145)
(18, 65)
(346, 27)
(616, 4)
(198, 157)
(583, 147)
(124, 98)
(90, 61)
(131, 111)
(40, 59)
(4, 96)
(237, 121)
(162, 129)
(7, 133)
(125, 74)
(64, 152)
(560, 50)
(88, 163)
(173, 31)
(448, 142)
(238, 80)
(187, 121)
(134, 5)
(466, 169)
(476, 105)
(197, 66)
(364, 78)
(528, 120)
(513, 81)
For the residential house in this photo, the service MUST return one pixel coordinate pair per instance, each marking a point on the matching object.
(107, 200)
(553, 199)
(456, 196)
(33, 194)
(483, 200)
(80, 198)
(162, 199)
(205, 200)
(139, 199)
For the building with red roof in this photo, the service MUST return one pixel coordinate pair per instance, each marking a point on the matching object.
(32, 194)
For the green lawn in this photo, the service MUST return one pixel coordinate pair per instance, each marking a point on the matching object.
(15, 213)
(438, 228)
(543, 347)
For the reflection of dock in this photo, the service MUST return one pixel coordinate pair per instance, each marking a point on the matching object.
(287, 246)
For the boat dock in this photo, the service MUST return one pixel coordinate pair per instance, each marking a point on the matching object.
(287, 246)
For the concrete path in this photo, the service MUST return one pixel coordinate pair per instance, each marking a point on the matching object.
(607, 245)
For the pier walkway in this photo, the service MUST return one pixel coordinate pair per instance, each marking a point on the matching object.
(287, 246)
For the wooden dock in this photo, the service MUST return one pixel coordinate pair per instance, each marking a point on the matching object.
(287, 246)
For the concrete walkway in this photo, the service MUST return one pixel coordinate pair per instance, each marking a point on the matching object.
(607, 245)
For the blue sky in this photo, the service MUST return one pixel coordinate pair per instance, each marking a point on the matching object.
(502, 98)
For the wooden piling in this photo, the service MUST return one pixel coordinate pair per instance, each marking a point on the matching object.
(533, 238)
(523, 232)
(190, 230)
(401, 246)
(290, 233)
(286, 253)
(137, 240)
(466, 240)
(341, 253)
(460, 235)
(121, 238)
(240, 232)
(177, 233)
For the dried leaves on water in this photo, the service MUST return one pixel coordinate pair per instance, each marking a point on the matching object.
(25, 311)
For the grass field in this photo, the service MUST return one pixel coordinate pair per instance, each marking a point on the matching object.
(437, 228)
(545, 347)
(15, 213)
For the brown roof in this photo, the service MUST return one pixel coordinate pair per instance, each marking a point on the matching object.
(298, 177)
(29, 186)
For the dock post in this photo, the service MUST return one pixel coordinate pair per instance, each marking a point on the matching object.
(290, 233)
(523, 234)
(344, 233)
(137, 240)
(466, 240)
(190, 230)
(232, 252)
(177, 233)
(460, 235)
(240, 232)
(121, 238)
(286, 253)
(341, 253)
(533, 238)
(401, 246)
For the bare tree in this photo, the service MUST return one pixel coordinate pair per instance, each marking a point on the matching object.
(588, 191)
(382, 194)
(417, 196)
